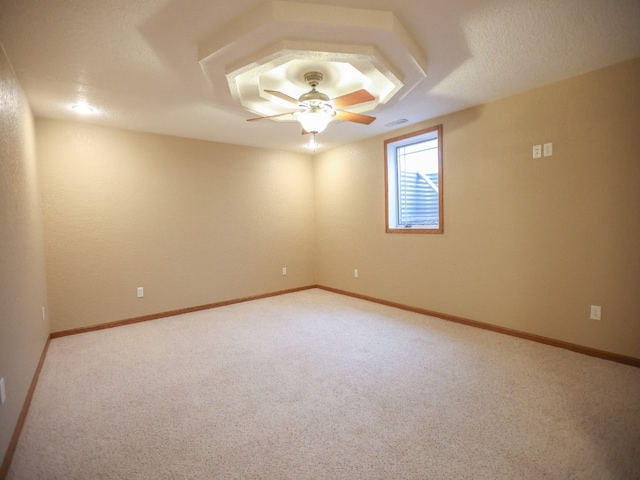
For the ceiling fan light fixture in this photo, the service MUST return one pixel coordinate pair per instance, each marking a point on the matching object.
(315, 120)
(82, 108)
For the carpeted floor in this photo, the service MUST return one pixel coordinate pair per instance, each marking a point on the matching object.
(315, 385)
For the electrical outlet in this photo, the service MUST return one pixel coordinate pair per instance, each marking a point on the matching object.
(3, 394)
(537, 151)
(284, 271)
(596, 312)
(140, 292)
(355, 273)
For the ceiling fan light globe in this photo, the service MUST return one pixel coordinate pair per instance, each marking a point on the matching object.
(314, 121)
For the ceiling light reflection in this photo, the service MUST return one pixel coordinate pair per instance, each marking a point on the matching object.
(312, 145)
(82, 108)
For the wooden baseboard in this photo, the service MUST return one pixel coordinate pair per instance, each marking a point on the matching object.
(8, 456)
(172, 313)
(614, 357)
(4, 468)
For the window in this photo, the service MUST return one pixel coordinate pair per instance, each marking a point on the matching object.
(413, 182)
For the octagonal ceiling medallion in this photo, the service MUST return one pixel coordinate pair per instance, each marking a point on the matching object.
(353, 49)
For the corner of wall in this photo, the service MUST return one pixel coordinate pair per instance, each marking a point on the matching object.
(24, 328)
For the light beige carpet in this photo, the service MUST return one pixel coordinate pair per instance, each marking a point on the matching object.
(314, 385)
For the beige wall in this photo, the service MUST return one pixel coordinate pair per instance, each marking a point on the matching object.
(23, 332)
(528, 244)
(192, 222)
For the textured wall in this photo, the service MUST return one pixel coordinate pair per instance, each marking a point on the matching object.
(192, 222)
(528, 244)
(23, 332)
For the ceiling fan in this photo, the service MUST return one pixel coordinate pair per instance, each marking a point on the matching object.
(316, 110)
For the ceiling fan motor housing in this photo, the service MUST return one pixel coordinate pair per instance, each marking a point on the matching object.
(313, 98)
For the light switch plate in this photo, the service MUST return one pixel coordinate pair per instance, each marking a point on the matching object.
(3, 394)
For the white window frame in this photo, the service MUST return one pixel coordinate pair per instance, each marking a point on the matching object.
(391, 180)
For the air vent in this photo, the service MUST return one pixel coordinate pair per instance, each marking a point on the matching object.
(396, 122)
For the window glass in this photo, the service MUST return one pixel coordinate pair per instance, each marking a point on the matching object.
(413, 166)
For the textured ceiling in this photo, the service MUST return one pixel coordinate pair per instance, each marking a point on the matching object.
(136, 61)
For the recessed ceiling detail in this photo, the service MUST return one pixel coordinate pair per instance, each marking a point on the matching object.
(284, 70)
(353, 48)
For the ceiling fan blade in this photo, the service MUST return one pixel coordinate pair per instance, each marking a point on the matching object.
(354, 117)
(353, 98)
(270, 116)
(283, 96)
